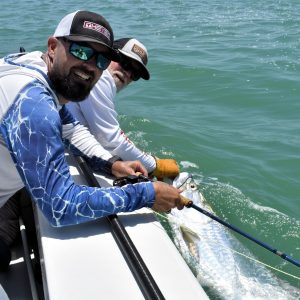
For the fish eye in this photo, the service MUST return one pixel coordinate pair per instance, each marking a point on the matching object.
(192, 185)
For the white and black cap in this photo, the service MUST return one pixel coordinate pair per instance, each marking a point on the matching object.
(86, 26)
(135, 50)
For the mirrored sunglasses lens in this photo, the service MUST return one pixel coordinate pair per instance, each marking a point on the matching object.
(102, 62)
(135, 75)
(81, 52)
(127, 66)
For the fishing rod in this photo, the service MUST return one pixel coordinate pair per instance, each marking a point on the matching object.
(189, 203)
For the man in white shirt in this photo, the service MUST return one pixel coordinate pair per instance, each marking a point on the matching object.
(98, 113)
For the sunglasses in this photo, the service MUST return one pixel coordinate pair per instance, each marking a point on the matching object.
(128, 66)
(83, 52)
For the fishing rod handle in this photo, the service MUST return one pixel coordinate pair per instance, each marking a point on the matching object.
(186, 201)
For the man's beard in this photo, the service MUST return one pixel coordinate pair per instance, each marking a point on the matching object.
(71, 87)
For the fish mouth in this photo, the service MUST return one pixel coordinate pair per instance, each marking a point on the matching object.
(181, 180)
(189, 188)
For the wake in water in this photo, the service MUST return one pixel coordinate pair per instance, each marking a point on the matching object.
(209, 248)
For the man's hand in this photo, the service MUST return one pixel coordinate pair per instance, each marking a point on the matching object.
(166, 197)
(166, 168)
(125, 168)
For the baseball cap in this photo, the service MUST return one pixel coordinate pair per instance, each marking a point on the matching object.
(135, 50)
(86, 26)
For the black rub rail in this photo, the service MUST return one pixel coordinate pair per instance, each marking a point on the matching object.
(142, 275)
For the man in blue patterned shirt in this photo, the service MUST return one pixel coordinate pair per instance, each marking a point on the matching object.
(35, 126)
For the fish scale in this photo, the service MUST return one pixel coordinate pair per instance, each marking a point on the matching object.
(216, 261)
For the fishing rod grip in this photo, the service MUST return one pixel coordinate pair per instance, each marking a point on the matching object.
(186, 201)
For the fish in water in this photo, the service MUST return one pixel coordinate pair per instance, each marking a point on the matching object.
(208, 247)
(206, 242)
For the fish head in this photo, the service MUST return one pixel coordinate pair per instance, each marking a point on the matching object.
(190, 189)
(186, 183)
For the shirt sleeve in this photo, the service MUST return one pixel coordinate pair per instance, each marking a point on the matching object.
(80, 137)
(100, 116)
(33, 134)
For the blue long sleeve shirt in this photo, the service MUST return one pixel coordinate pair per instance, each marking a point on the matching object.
(33, 131)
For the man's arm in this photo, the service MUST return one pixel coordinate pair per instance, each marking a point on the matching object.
(33, 136)
(80, 137)
(102, 119)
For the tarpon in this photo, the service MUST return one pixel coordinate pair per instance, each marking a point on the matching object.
(206, 242)
(208, 247)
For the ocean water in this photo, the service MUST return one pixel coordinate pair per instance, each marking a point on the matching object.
(223, 100)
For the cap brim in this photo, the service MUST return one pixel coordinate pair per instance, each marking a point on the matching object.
(111, 54)
(144, 73)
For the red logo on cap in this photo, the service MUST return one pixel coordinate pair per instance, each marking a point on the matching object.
(97, 27)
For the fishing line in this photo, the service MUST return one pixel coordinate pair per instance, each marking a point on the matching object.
(240, 253)
(189, 203)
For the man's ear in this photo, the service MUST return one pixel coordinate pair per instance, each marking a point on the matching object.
(52, 46)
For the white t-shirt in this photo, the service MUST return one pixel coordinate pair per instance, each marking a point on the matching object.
(98, 113)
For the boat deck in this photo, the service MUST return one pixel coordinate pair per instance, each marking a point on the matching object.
(85, 262)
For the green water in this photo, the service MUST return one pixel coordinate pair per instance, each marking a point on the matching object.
(223, 100)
